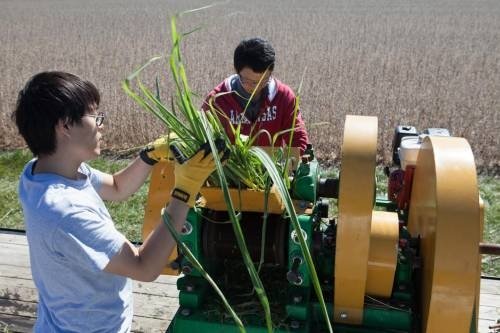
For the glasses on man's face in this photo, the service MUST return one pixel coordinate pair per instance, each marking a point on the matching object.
(253, 83)
(99, 118)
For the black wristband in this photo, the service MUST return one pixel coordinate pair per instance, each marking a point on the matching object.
(180, 194)
(145, 158)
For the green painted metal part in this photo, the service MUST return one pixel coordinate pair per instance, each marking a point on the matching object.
(186, 320)
(305, 181)
(375, 319)
(299, 293)
(191, 236)
(385, 203)
(294, 251)
(193, 290)
(192, 287)
(473, 321)
(387, 318)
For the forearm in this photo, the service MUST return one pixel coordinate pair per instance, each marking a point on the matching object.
(146, 262)
(158, 246)
(127, 181)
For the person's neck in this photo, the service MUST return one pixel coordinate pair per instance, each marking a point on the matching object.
(59, 164)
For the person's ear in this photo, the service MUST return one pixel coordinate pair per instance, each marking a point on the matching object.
(62, 127)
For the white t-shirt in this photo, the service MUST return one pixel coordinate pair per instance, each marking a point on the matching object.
(71, 239)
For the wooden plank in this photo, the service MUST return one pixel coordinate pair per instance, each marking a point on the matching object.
(14, 323)
(489, 312)
(484, 326)
(8, 270)
(24, 289)
(18, 289)
(24, 272)
(489, 309)
(150, 301)
(14, 254)
(18, 308)
(9, 237)
(489, 300)
(158, 289)
(147, 325)
(490, 286)
(19, 316)
(152, 306)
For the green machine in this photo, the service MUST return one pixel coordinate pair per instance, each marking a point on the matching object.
(383, 263)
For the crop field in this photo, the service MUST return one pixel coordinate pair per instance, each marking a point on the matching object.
(424, 63)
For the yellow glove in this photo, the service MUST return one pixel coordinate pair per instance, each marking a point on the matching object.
(158, 150)
(190, 174)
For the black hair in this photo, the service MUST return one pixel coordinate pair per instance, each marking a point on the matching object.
(256, 53)
(47, 98)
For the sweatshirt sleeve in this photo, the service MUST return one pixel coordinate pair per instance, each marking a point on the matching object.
(300, 138)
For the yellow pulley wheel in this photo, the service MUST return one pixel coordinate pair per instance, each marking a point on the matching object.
(445, 213)
(355, 205)
(382, 260)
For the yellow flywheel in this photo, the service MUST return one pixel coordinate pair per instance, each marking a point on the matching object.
(445, 213)
(355, 205)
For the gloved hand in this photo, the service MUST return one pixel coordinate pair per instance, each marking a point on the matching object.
(158, 150)
(190, 174)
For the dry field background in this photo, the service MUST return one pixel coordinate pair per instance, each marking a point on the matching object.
(426, 63)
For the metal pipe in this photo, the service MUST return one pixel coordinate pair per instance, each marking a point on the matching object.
(495, 326)
(489, 248)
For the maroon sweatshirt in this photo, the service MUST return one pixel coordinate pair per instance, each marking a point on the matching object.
(275, 114)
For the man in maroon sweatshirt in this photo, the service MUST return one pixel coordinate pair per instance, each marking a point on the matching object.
(257, 100)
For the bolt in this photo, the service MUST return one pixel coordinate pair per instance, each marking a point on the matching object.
(174, 265)
(294, 324)
(401, 305)
(294, 277)
(187, 228)
(185, 312)
(186, 269)
(403, 243)
(297, 299)
(343, 315)
(189, 287)
(295, 237)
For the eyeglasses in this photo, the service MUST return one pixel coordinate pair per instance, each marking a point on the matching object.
(249, 82)
(99, 118)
